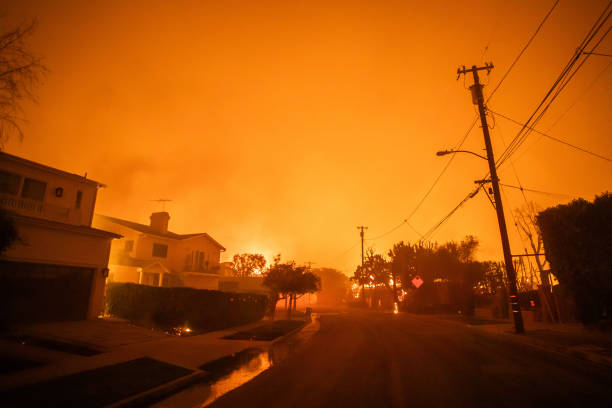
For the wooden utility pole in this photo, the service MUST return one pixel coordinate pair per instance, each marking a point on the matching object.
(361, 229)
(478, 99)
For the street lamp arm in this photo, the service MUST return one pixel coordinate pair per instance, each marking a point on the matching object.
(445, 152)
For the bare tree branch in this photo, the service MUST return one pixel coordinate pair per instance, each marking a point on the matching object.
(21, 72)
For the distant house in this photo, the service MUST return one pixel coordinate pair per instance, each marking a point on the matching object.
(57, 268)
(152, 255)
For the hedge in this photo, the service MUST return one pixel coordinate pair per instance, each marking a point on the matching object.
(166, 308)
(578, 241)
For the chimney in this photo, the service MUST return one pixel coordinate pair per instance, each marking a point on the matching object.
(159, 221)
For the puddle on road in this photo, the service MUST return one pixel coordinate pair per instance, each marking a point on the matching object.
(205, 393)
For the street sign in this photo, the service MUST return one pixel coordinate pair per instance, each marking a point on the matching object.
(417, 281)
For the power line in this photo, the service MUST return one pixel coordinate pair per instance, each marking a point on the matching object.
(520, 54)
(343, 253)
(464, 137)
(432, 230)
(462, 141)
(571, 106)
(599, 54)
(559, 84)
(556, 139)
(395, 228)
(458, 146)
(537, 191)
(586, 90)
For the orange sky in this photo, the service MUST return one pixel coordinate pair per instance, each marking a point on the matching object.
(279, 126)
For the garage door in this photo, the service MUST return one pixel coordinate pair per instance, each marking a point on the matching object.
(42, 293)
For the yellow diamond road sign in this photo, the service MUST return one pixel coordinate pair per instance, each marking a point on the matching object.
(417, 281)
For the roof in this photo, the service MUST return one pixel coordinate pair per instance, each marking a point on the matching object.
(30, 163)
(79, 229)
(147, 229)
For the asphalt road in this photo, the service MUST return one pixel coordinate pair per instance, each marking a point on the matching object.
(384, 360)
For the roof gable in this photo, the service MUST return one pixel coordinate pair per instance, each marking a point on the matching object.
(147, 229)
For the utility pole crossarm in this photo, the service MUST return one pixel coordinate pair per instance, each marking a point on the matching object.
(487, 67)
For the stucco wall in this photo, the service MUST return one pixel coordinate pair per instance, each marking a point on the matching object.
(56, 205)
(58, 246)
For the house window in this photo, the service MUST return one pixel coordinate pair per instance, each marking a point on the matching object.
(33, 189)
(9, 182)
(200, 261)
(129, 245)
(160, 250)
(79, 198)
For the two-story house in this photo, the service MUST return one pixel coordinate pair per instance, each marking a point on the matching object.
(152, 255)
(56, 269)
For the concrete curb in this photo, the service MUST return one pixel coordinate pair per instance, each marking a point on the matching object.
(292, 332)
(158, 393)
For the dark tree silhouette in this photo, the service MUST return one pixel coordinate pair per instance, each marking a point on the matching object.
(578, 242)
(289, 281)
(451, 265)
(21, 73)
(247, 264)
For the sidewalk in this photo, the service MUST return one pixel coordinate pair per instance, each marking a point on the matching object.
(571, 339)
(104, 343)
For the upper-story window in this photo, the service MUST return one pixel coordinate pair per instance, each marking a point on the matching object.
(160, 250)
(33, 189)
(9, 182)
(79, 198)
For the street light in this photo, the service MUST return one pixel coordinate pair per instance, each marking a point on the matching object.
(445, 152)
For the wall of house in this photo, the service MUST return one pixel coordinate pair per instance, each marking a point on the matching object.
(187, 247)
(42, 244)
(143, 249)
(118, 245)
(58, 246)
(180, 255)
(59, 202)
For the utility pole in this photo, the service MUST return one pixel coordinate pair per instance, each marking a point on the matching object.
(361, 229)
(478, 99)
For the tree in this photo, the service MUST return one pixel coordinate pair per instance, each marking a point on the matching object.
(334, 286)
(449, 268)
(248, 264)
(289, 281)
(526, 221)
(578, 241)
(377, 270)
(20, 73)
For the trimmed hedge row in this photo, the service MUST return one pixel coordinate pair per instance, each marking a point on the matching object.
(200, 310)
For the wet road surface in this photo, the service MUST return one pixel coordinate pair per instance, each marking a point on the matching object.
(362, 359)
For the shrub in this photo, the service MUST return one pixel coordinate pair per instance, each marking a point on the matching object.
(200, 310)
